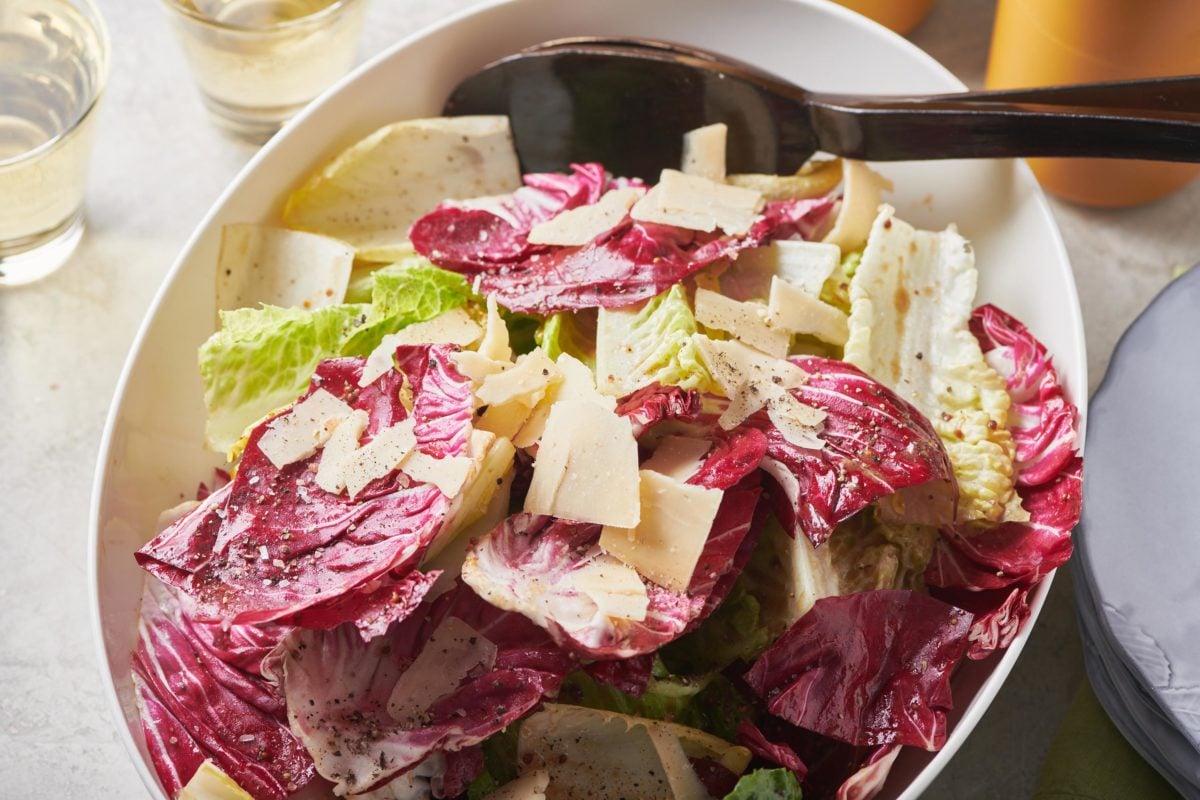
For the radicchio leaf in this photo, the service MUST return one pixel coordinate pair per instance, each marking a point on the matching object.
(868, 780)
(272, 543)
(656, 403)
(751, 737)
(871, 668)
(195, 706)
(875, 444)
(338, 689)
(527, 563)
(1041, 418)
(990, 570)
(374, 607)
(633, 262)
(477, 235)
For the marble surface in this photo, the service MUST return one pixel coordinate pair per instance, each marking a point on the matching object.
(159, 165)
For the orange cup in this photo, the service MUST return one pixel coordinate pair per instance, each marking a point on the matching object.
(1049, 42)
(899, 15)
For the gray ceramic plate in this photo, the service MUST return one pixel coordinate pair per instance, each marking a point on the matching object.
(1140, 533)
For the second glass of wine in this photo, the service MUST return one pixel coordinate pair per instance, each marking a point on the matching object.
(258, 62)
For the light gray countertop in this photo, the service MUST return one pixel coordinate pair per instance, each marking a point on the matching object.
(159, 165)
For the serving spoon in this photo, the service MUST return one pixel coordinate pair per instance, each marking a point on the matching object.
(626, 103)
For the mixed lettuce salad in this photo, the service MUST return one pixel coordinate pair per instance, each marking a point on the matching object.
(575, 486)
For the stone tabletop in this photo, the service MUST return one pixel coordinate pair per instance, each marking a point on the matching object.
(159, 165)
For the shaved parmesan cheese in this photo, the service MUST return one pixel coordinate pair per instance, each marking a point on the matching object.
(753, 381)
(447, 474)
(525, 382)
(296, 435)
(378, 457)
(746, 321)
(210, 782)
(506, 420)
(265, 265)
(862, 192)
(530, 786)
(601, 755)
(371, 193)
(453, 327)
(613, 586)
(331, 475)
(477, 366)
(733, 366)
(494, 344)
(704, 152)
(804, 264)
(577, 383)
(698, 204)
(666, 545)
(678, 457)
(578, 226)
(795, 310)
(480, 506)
(797, 422)
(587, 467)
(453, 652)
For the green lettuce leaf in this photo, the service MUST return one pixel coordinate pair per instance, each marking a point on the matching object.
(411, 290)
(637, 347)
(570, 332)
(734, 632)
(711, 703)
(261, 359)
(767, 784)
(499, 763)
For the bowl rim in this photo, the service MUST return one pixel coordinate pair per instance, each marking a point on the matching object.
(979, 702)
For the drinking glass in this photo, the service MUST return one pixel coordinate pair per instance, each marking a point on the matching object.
(258, 62)
(53, 65)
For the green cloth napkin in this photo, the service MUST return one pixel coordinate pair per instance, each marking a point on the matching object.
(1090, 760)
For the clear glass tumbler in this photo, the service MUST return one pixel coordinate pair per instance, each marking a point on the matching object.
(53, 66)
(258, 62)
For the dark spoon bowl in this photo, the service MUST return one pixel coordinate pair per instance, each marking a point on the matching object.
(627, 102)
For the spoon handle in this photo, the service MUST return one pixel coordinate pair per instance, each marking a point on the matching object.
(1148, 119)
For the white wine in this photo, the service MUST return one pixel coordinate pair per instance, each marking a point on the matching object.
(258, 62)
(52, 68)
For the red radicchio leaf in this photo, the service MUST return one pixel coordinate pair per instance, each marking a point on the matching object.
(630, 675)
(462, 767)
(195, 706)
(875, 444)
(655, 403)
(869, 668)
(272, 543)
(868, 780)
(717, 780)
(526, 563)
(240, 646)
(374, 607)
(780, 753)
(338, 689)
(478, 235)
(989, 570)
(1041, 419)
(630, 263)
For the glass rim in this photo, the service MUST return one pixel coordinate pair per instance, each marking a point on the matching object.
(100, 28)
(308, 19)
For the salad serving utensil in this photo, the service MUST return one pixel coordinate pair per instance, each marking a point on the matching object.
(626, 102)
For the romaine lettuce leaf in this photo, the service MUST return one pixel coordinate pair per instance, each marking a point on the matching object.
(637, 347)
(573, 333)
(910, 303)
(409, 291)
(767, 784)
(261, 359)
(734, 632)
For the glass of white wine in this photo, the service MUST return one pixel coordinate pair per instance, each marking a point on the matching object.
(258, 62)
(53, 67)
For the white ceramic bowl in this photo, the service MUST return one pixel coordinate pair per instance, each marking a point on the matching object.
(151, 455)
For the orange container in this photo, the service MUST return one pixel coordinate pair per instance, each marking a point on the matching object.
(1048, 42)
(899, 15)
